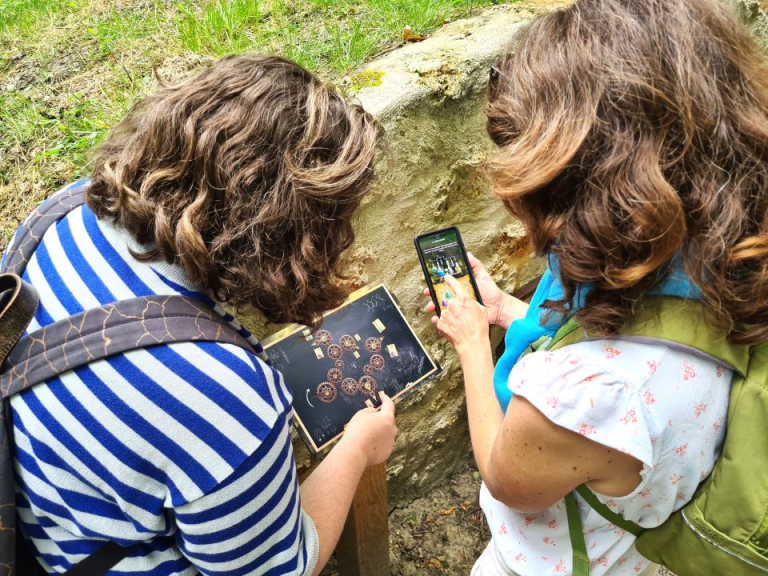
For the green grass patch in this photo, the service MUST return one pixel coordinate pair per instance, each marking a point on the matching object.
(220, 27)
(329, 36)
(118, 29)
(23, 14)
(69, 69)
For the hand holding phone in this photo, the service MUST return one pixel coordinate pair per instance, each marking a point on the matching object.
(442, 253)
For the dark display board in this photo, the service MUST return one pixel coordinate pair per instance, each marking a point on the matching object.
(362, 347)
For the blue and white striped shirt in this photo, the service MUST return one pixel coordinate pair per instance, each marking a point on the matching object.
(185, 447)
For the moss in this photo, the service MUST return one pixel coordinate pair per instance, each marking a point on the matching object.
(366, 79)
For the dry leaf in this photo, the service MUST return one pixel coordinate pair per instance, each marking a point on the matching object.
(449, 511)
(435, 563)
(408, 35)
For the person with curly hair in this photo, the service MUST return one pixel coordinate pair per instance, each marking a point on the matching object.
(632, 141)
(237, 187)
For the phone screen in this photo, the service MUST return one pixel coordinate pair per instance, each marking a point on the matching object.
(443, 254)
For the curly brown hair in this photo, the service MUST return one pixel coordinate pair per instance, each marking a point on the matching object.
(632, 132)
(248, 176)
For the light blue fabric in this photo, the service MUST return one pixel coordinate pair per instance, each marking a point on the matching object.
(540, 322)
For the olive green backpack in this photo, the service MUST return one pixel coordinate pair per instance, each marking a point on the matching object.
(723, 530)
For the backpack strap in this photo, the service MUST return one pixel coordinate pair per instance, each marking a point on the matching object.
(578, 543)
(18, 301)
(90, 336)
(112, 329)
(31, 232)
(576, 532)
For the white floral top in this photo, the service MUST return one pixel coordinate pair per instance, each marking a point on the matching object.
(664, 407)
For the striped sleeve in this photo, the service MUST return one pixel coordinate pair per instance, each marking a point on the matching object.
(251, 520)
(252, 523)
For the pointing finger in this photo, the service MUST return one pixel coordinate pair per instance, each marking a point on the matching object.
(456, 286)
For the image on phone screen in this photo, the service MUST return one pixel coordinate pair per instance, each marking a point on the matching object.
(443, 254)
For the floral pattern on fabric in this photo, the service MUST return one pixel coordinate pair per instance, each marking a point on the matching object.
(665, 407)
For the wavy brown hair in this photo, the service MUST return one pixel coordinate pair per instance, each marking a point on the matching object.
(632, 132)
(248, 176)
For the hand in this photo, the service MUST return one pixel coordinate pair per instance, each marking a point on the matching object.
(490, 293)
(373, 431)
(465, 321)
(501, 308)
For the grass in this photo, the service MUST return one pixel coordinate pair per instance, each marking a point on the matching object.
(69, 69)
(221, 27)
(24, 14)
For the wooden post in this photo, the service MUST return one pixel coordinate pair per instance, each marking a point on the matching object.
(363, 549)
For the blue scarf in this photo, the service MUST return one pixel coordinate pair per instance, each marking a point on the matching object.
(540, 322)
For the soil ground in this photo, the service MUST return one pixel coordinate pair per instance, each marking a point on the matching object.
(442, 533)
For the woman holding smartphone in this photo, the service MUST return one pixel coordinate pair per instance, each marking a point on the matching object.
(631, 140)
(238, 186)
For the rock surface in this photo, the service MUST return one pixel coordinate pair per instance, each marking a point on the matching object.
(431, 100)
(430, 97)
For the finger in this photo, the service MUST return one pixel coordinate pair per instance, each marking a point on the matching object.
(387, 405)
(474, 262)
(426, 292)
(456, 286)
(435, 320)
(431, 306)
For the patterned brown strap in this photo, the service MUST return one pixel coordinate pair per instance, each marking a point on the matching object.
(18, 301)
(31, 232)
(111, 329)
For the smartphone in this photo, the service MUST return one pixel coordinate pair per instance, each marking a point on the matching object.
(442, 252)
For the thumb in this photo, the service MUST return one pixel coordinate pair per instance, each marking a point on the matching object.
(474, 262)
(387, 405)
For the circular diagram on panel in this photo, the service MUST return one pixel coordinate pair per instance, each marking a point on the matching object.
(323, 337)
(348, 343)
(326, 392)
(368, 385)
(377, 361)
(373, 345)
(339, 364)
(335, 351)
(350, 386)
(368, 369)
(335, 375)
